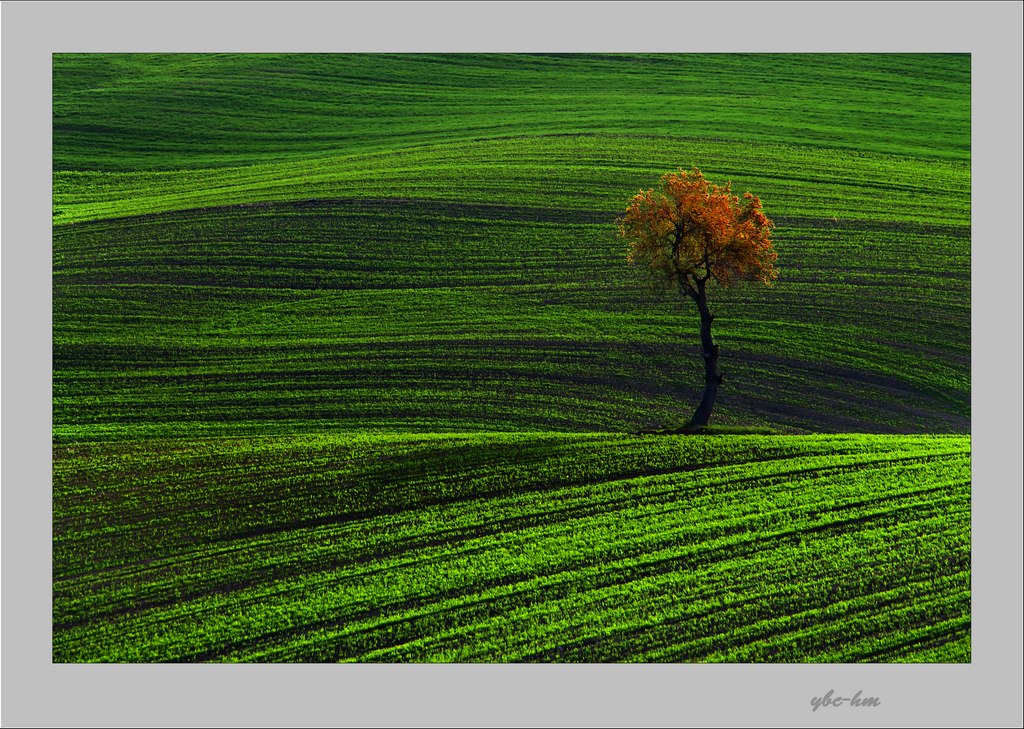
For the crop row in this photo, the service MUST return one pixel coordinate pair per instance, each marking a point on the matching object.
(142, 111)
(565, 172)
(355, 316)
(390, 243)
(502, 547)
(96, 482)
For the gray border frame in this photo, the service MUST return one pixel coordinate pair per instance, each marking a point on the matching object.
(985, 693)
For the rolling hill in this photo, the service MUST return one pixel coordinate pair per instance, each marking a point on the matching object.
(302, 300)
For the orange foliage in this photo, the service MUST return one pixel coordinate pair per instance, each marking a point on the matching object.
(693, 232)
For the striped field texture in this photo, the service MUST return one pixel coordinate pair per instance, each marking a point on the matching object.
(347, 356)
(467, 277)
(514, 547)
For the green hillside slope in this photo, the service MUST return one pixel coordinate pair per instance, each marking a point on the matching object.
(410, 241)
(130, 112)
(508, 547)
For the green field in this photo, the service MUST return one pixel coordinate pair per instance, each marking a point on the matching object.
(347, 361)
(514, 547)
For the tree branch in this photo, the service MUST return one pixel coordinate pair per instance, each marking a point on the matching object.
(706, 262)
(687, 287)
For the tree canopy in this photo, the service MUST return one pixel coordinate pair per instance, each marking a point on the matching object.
(693, 232)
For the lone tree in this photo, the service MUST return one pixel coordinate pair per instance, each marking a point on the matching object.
(692, 234)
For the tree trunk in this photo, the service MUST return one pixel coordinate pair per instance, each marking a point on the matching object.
(712, 377)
